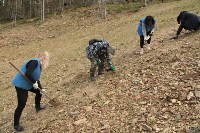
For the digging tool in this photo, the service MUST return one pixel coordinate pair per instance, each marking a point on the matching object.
(54, 102)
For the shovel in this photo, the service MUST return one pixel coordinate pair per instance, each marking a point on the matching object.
(54, 102)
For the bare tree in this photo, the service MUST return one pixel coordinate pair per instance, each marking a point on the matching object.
(15, 14)
(42, 10)
(102, 12)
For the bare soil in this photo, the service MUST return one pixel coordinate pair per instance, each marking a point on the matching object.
(155, 92)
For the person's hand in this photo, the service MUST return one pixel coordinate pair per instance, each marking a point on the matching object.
(42, 91)
(113, 68)
(151, 34)
(98, 62)
(175, 37)
(35, 85)
(146, 38)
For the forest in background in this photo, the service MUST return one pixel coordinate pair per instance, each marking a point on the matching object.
(14, 10)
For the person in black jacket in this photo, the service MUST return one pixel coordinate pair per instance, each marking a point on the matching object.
(187, 21)
(32, 70)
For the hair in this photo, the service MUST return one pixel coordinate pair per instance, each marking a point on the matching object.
(179, 16)
(44, 59)
(149, 20)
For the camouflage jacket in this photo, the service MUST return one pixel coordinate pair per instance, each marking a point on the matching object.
(97, 49)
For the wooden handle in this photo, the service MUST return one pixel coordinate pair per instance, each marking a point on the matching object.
(28, 79)
(21, 72)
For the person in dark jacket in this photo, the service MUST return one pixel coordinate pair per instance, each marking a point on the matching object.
(145, 31)
(98, 52)
(32, 70)
(187, 21)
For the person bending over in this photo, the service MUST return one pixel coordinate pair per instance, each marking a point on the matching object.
(32, 70)
(145, 31)
(98, 52)
(187, 21)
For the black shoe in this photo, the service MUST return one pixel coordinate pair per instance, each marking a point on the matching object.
(39, 109)
(18, 128)
(92, 78)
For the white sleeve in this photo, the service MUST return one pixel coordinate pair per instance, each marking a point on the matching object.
(144, 30)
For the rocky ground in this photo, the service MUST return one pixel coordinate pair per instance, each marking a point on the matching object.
(158, 91)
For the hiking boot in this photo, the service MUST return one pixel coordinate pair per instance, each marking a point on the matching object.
(39, 108)
(18, 128)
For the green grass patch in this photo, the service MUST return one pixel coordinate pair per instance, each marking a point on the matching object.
(130, 7)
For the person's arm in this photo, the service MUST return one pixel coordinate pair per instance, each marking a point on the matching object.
(144, 31)
(39, 85)
(152, 31)
(96, 50)
(30, 67)
(179, 30)
(109, 59)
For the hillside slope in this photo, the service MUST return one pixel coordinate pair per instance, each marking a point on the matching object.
(157, 91)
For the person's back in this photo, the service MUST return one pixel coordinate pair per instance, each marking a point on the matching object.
(188, 20)
(96, 48)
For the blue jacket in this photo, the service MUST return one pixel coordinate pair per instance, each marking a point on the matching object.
(20, 82)
(148, 28)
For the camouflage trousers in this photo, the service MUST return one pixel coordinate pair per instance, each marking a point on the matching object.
(105, 62)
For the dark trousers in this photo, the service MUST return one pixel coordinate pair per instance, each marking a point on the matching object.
(142, 40)
(22, 96)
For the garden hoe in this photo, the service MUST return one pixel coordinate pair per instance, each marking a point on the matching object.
(54, 102)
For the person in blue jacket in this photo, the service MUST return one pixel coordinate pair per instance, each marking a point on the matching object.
(32, 70)
(145, 31)
(187, 21)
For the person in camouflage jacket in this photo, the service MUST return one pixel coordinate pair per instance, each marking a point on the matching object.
(98, 52)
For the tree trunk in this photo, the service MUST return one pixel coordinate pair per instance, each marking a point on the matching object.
(42, 10)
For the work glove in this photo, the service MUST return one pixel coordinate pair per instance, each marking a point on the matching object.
(151, 34)
(35, 85)
(175, 37)
(42, 91)
(98, 62)
(113, 68)
(146, 38)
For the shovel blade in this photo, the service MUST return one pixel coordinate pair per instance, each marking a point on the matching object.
(54, 102)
